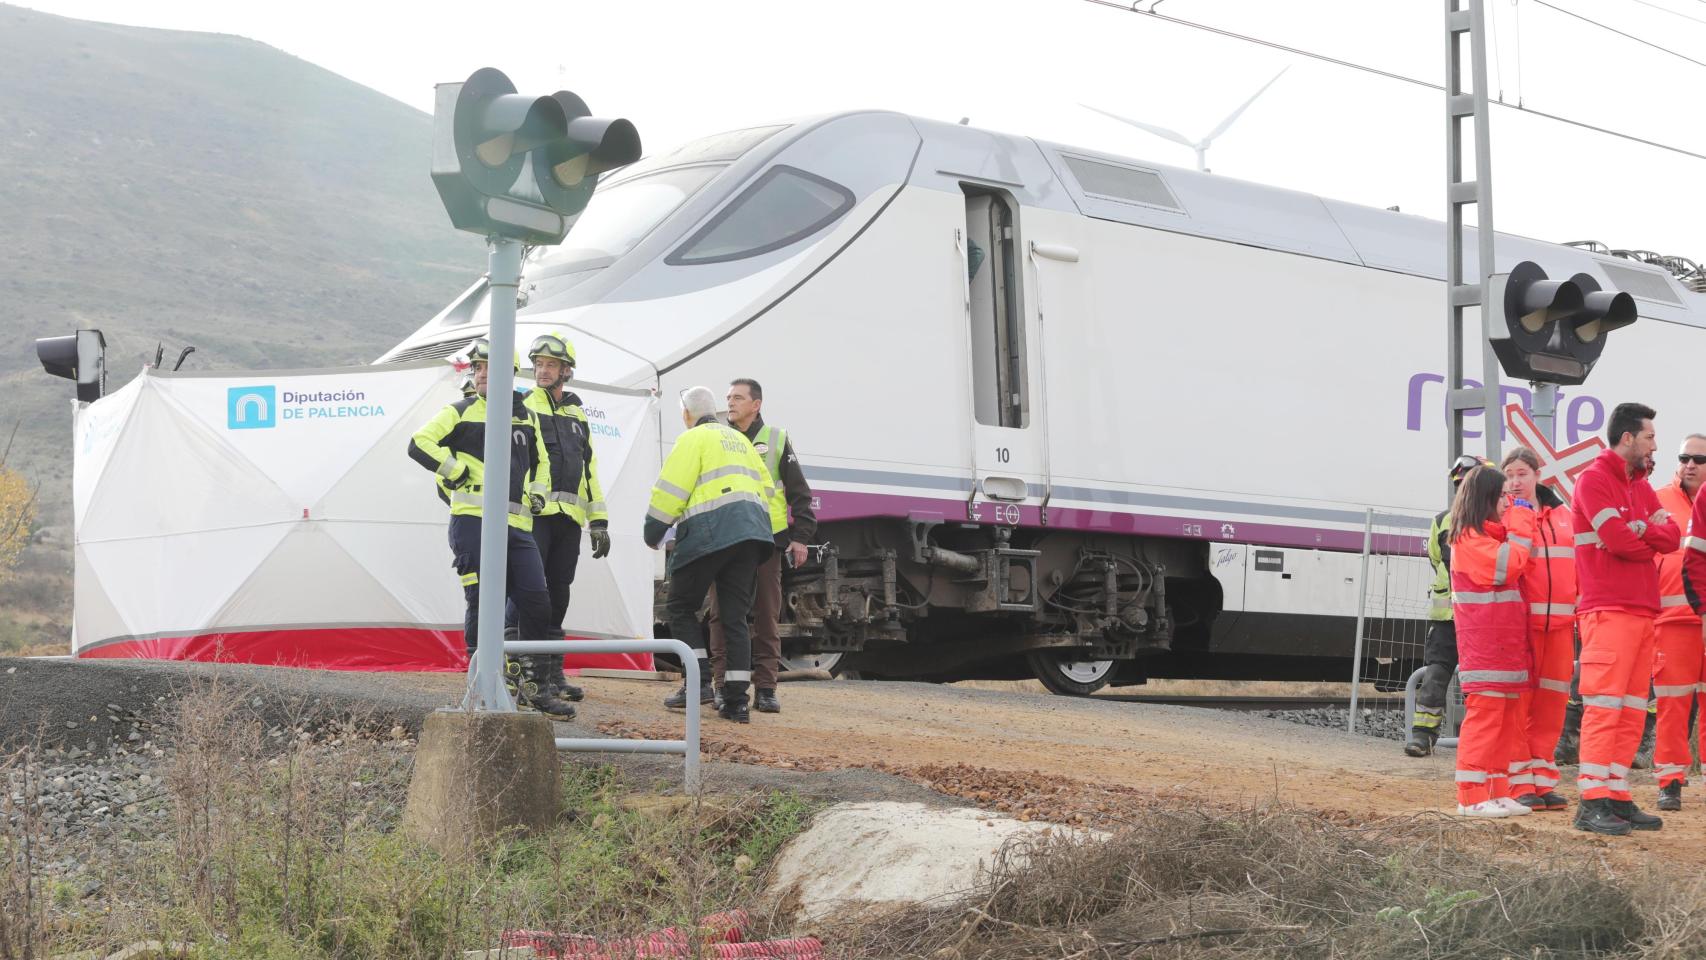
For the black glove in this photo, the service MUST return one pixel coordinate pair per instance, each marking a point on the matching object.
(535, 503)
(458, 481)
(600, 541)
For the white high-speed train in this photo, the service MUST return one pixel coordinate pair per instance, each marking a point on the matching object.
(1065, 413)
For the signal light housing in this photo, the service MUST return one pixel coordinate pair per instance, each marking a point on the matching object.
(517, 166)
(81, 356)
(1553, 331)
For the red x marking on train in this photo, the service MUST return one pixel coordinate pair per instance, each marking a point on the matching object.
(1558, 468)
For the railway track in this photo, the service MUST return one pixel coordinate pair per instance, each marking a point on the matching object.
(1261, 703)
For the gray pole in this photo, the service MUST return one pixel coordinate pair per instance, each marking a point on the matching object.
(486, 669)
(1545, 409)
(1362, 611)
(1465, 24)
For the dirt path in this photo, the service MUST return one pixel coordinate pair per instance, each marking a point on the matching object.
(1053, 758)
(1032, 755)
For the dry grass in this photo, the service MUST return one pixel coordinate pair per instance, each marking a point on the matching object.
(1280, 883)
(283, 842)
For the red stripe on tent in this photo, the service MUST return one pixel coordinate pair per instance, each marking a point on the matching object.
(410, 649)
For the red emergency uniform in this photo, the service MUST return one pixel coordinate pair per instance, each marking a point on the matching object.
(1678, 661)
(1494, 658)
(1549, 588)
(1620, 531)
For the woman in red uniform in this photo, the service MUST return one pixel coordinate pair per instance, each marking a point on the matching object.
(1549, 588)
(1492, 536)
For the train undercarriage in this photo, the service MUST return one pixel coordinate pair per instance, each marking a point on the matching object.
(931, 600)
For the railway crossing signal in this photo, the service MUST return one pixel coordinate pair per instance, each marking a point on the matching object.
(1553, 331)
(516, 166)
(80, 356)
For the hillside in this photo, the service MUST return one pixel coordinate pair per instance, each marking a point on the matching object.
(206, 190)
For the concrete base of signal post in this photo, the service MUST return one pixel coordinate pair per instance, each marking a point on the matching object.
(480, 775)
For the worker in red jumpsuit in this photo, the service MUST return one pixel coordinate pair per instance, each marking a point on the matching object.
(1492, 537)
(1678, 671)
(1549, 590)
(1620, 531)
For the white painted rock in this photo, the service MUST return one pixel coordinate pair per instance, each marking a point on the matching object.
(857, 854)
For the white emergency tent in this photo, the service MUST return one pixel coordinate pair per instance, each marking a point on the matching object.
(274, 517)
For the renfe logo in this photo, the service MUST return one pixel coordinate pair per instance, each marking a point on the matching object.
(250, 408)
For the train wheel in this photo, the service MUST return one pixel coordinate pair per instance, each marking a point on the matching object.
(1066, 676)
(813, 661)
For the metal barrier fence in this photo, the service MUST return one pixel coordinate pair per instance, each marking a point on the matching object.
(1453, 707)
(1393, 600)
(687, 747)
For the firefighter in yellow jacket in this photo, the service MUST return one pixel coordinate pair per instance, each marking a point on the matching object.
(452, 446)
(715, 490)
(575, 501)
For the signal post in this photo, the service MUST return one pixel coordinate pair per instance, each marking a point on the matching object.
(516, 169)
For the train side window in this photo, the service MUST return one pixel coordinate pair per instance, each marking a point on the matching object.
(786, 205)
(999, 394)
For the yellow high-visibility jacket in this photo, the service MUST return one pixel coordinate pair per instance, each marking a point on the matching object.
(452, 446)
(716, 491)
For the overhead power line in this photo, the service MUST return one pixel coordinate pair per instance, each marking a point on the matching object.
(1626, 36)
(1674, 13)
(1401, 78)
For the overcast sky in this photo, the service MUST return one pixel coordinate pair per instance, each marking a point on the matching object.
(683, 68)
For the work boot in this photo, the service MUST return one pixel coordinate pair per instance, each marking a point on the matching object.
(559, 684)
(766, 701)
(542, 697)
(1420, 742)
(1626, 810)
(734, 703)
(678, 699)
(1670, 796)
(1595, 816)
(1552, 801)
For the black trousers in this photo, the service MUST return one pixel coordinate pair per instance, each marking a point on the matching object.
(559, 540)
(1439, 656)
(733, 571)
(524, 586)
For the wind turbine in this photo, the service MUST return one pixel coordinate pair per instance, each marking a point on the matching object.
(1200, 146)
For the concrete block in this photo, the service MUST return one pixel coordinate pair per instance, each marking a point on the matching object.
(481, 775)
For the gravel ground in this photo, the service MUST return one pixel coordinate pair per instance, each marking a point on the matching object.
(1385, 724)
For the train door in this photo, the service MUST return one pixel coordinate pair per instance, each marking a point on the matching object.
(1006, 436)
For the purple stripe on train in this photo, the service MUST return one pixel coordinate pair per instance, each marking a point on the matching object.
(845, 505)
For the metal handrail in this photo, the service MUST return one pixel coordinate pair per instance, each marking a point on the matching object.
(1449, 719)
(687, 747)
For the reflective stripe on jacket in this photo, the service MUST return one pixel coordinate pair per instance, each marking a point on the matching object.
(1493, 653)
(1673, 598)
(1549, 583)
(1439, 554)
(715, 491)
(452, 446)
(575, 489)
(1615, 567)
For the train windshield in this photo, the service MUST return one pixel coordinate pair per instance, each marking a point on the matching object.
(634, 200)
(619, 217)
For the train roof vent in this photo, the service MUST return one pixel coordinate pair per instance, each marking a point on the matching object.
(1112, 181)
(431, 351)
(1640, 283)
